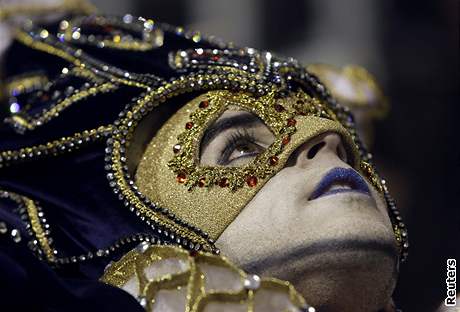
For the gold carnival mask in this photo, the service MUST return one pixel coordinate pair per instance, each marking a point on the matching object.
(210, 194)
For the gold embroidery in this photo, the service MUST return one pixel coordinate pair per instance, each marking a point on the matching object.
(119, 33)
(31, 209)
(62, 145)
(192, 276)
(66, 6)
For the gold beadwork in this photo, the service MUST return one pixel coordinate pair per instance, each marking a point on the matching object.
(59, 146)
(38, 229)
(25, 84)
(192, 277)
(36, 225)
(46, 115)
(150, 37)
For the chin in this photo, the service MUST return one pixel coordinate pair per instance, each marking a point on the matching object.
(346, 278)
(355, 285)
(351, 266)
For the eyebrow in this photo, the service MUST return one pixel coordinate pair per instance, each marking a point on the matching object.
(240, 120)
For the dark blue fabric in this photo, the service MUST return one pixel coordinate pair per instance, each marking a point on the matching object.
(26, 284)
(72, 189)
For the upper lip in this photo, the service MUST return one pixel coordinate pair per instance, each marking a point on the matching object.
(340, 176)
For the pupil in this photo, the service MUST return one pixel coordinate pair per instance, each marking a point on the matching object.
(244, 148)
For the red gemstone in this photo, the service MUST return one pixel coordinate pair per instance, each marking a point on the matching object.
(251, 181)
(291, 122)
(273, 160)
(189, 125)
(181, 177)
(286, 140)
(204, 104)
(279, 108)
(223, 182)
(215, 58)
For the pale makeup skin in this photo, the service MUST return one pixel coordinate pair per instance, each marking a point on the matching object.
(338, 250)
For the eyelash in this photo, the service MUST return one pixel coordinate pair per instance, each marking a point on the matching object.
(232, 141)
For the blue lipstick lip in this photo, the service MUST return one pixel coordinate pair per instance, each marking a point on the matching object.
(340, 176)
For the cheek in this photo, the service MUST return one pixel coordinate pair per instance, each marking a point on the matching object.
(280, 218)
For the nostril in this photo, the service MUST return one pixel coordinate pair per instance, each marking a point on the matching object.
(341, 153)
(315, 149)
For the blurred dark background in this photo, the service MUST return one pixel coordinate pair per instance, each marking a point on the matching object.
(412, 48)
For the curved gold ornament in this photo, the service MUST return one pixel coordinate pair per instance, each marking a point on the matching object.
(111, 32)
(197, 282)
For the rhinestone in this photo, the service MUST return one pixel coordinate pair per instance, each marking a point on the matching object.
(286, 140)
(223, 182)
(142, 301)
(16, 235)
(291, 122)
(273, 160)
(181, 178)
(44, 34)
(189, 125)
(3, 228)
(204, 104)
(202, 182)
(251, 181)
(108, 265)
(252, 282)
(142, 247)
(64, 25)
(177, 148)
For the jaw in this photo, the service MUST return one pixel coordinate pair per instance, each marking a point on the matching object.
(340, 278)
(347, 263)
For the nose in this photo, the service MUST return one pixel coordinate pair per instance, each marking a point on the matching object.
(325, 148)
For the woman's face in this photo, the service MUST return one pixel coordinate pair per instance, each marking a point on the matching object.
(316, 223)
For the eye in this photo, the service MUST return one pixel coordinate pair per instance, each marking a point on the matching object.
(234, 139)
(239, 147)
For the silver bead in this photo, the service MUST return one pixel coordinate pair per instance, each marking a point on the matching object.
(142, 247)
(3, 228)
(252, 282)
(108, 266)
(142, 301)
(16, 235)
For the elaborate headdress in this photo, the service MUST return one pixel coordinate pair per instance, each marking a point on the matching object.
(86, 92)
